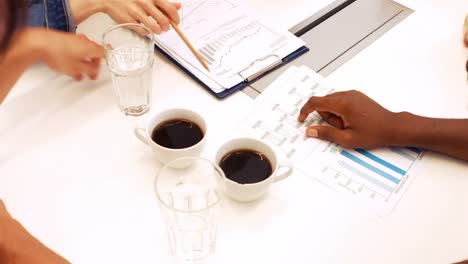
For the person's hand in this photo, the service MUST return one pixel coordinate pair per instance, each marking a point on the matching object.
(465, 37)
(3, 211)
(73, 55)
(355, 119)
(154, 14)
(465, 32)
(18, 246)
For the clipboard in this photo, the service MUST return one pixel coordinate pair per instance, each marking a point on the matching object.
(249, 77)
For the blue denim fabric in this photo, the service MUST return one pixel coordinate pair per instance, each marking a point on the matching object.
(53, 14)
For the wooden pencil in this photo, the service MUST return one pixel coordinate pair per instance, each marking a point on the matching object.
(187, 42)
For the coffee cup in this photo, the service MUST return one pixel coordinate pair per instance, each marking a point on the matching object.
(243, 182)
(173, 134)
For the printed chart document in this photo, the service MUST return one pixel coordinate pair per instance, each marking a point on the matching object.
(232, 42)
(376, 178)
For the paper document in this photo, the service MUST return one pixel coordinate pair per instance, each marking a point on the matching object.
(230, 40)
(377, 178)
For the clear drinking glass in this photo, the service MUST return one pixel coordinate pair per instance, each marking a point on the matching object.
(130, 55)
(188, 192)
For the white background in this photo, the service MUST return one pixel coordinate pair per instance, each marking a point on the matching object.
(73, 173)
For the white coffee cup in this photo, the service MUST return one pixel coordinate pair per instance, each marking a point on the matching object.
(252, 191)
(164, 154)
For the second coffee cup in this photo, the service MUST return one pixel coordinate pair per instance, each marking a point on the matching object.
(173, 134)
(250, 167)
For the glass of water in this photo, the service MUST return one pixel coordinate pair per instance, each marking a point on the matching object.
(188, 192)
(130, 55)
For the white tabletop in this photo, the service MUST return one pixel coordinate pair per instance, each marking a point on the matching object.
(73, 173)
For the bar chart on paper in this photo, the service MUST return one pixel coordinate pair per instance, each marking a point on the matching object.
(221, 46)
(376, 178)
(224, 47)
(229, 37)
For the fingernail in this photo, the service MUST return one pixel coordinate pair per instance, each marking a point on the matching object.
(312, 132)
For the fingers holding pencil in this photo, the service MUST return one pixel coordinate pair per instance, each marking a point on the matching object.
(173, 24)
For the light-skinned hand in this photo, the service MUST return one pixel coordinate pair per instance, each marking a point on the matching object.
(67, 53)
(154, 14)
(19, 247)
(465, 31)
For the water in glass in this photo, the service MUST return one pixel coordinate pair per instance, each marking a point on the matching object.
(129, 55)
(131, 76)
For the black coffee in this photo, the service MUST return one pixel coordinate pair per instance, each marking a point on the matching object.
(246, 166)
(177, 134)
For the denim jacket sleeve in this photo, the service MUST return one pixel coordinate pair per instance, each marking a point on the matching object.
(53, 14)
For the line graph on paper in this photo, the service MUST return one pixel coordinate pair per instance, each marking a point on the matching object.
(377, 178)
(230, 48)
(192, 12)
(231, 45)
(229, 37)
(222, 47)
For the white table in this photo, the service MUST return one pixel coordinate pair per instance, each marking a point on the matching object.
(73, 173)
